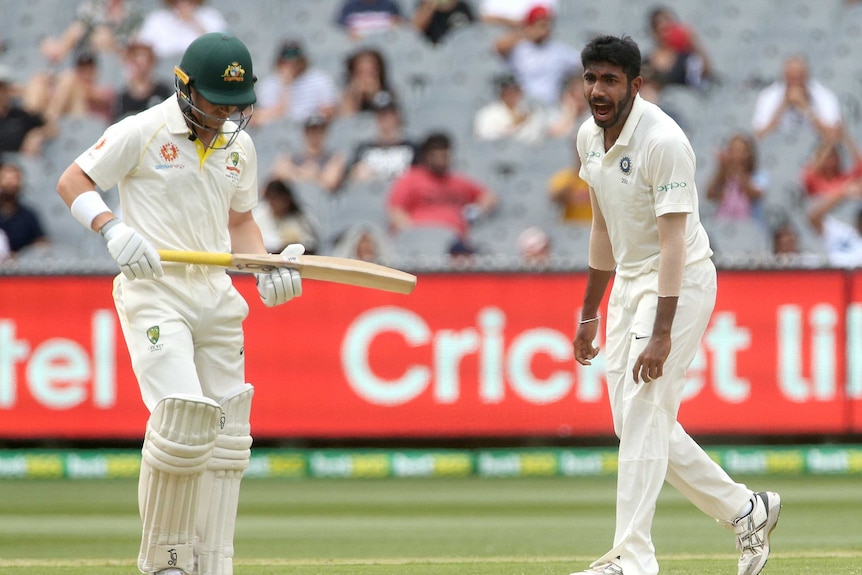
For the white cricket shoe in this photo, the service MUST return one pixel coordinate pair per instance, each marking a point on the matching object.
(609, 568)
(753, 531)
(170, 571)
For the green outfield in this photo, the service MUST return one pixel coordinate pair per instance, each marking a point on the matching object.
(441, 526)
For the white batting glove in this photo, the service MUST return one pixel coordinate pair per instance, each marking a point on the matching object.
(281, 284)
(136, 256)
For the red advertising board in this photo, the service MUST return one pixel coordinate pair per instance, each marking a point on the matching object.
(854, 352)
(464, 355)
(773, 359)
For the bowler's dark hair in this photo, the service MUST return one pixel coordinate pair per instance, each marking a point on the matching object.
(619, 51)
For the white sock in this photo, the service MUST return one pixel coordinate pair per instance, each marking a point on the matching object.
(746, 509)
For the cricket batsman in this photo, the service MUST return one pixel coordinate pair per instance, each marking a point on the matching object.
(187, 179)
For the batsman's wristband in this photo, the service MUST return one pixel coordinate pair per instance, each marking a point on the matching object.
(592, 319)
(87, 206)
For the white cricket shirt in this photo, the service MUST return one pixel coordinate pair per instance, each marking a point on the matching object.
(647, 173)
(173, 191)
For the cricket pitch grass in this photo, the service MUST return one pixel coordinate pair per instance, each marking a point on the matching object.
(468, 526)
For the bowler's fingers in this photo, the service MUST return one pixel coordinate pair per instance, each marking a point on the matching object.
(647, 370)
(584, 353)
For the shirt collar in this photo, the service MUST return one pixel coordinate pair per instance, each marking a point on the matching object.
(174, 119)
(638, 108)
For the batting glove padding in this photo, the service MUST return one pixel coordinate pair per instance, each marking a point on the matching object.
(281, 284)
(135, 255)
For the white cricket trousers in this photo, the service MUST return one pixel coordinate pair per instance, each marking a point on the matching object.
(653, 445)
(183, 332)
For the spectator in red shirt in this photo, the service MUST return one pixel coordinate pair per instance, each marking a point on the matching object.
(429, 194)
(825, 174)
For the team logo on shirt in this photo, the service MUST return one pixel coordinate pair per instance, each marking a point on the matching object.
(232, 168)
(626, 165)
(153, 334)
(234, 73)
(169, 152)
(97, 147)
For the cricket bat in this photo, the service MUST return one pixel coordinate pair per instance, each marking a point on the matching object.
(324, 268)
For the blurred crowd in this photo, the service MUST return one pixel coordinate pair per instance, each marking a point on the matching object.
(395, 191)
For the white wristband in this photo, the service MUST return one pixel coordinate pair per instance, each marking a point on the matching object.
(87, 206)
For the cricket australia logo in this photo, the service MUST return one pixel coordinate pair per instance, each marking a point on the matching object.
(234, 73)
(232, 168)
(233, 162)
(153, 334)
(626, 165)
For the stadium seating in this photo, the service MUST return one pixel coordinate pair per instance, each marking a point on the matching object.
(442, 87)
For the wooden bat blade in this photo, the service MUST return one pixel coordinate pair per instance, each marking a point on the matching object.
(323, 268)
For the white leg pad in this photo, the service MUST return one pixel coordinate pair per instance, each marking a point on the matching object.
(178, 444)
(220, 486)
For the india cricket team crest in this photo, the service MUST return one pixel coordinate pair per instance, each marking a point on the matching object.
(234, 73)
(626, 165)
(153, 334)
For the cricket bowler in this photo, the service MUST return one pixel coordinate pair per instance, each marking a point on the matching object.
(646, 233)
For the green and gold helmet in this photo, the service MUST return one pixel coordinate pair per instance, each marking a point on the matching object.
(219, 68)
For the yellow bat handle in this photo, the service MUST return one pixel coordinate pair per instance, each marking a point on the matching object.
(202, 258)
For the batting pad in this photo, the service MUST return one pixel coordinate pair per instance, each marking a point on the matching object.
(179, 441)
(220, 485)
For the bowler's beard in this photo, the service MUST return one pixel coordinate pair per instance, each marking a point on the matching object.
(619, 108)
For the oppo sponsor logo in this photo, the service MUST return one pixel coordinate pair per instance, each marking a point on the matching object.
(671, 186)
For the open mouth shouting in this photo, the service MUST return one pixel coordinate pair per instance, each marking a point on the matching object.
(603, 112)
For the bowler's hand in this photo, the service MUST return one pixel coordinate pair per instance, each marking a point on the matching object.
(281, 284)
(583, 343)
(650, 363)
